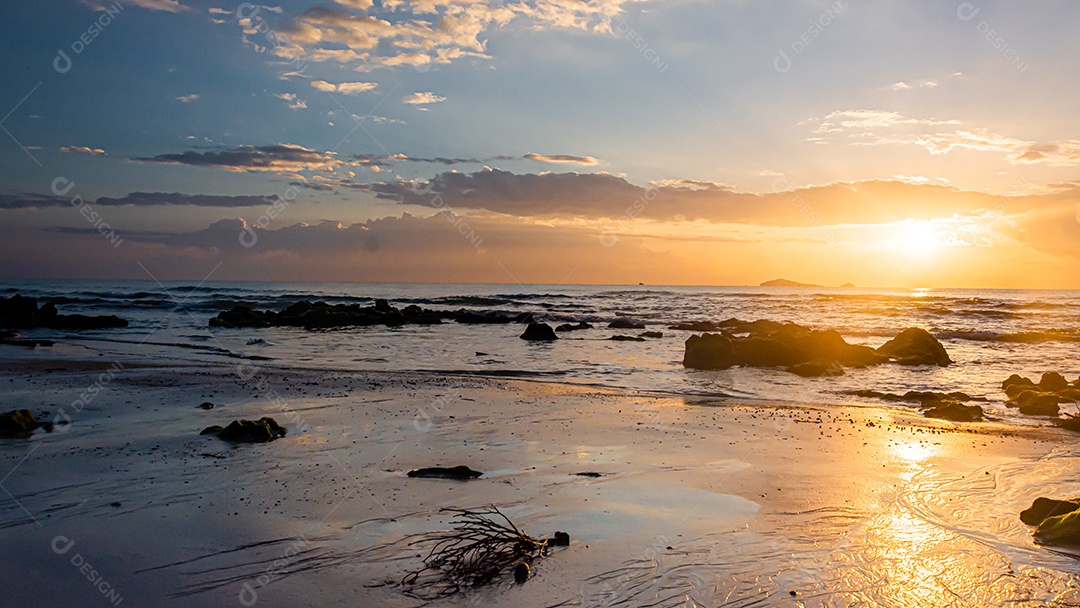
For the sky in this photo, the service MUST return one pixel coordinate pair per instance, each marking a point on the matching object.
(723, 142)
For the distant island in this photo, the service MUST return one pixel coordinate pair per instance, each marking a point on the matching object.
(786, 283)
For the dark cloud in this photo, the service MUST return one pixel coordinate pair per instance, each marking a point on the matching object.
(138, 199)
(606, 196)
(277, 157)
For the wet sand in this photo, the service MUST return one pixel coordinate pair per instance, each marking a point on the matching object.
(699, 502)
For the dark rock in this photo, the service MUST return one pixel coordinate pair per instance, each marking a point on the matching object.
(775, 345)
(248, 431)
(418, 316)
(626, 324)
(626, 339)
(1069, 423)
(1060, 530)
(21, 312)
(652, 334)
(561, 539)
(206, 405)
(21, 423)
(521, 572)
(817, 368)
(955, 412)
(383, 306)
(570, 327)
(1015, 384)
(702, 326)
(539, 331)
(1047, 507)
(1037, 403)
(915, 346)
(460, 472)
(589, 474)
(1053, 382)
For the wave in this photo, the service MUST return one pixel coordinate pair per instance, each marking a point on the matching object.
(1020, 337)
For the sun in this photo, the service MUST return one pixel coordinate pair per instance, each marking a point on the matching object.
(917, 239)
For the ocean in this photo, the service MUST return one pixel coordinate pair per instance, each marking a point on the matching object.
(990, 334)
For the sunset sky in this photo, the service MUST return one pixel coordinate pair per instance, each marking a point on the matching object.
(718, 142)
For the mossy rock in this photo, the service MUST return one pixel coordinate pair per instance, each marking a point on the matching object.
(1060, 529)
(20, 422)
(248, 431)
(1043, 508)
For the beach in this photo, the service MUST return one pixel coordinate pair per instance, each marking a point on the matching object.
(699, 501)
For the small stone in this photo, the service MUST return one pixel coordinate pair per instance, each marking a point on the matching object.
(521, 572)
(206, 405)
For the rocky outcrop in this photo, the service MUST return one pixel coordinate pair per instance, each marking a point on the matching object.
(656, 335)
(702, 326)
(248, 431)
(1042, 399)
(775, 345)
(1047, 507)
(539, 332)
(626, 324)
(915, 346)
(21, 312)
(321, 315)
(626, 339)
(573, 327)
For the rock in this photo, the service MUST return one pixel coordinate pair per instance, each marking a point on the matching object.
(817, 368)
(652, 334)
(460, 472)
(626, 339)
(21, 312)
(1053, 382)
(561, 539)
(955, 412)
(915, 346)
(521, 572)
(248, 431)
(702, 326)
(1037, 403)
(206, 405)
(21, 422)
(1059, 529)
(570, 327)
(592, 474)
(1047, 507)
(1069, 423)
(775, 345)
(626, 324)
(1016, 384)
(539, 331)
(320, 315)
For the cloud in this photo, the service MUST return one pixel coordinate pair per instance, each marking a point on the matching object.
(138, 199)
(419, 32)
(171, 6)
(922, 84)
(348, 88)
(292, 101)
(602, 196)
(277, 157)
(883, 127)
(187, 98)
(417, 99)
(562, 158)
(82, 150)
